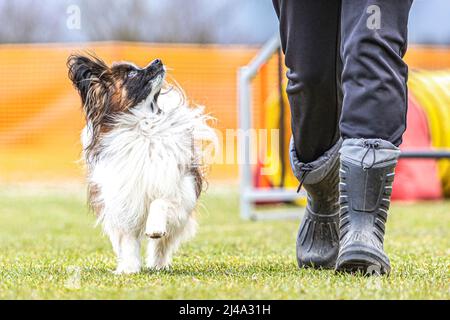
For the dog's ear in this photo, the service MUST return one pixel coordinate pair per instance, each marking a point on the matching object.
(85, 72)
(91, 77)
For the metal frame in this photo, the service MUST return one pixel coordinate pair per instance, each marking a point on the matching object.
(248, 194)
(426, 154)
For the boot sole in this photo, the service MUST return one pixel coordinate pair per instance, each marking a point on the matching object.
(363, 261)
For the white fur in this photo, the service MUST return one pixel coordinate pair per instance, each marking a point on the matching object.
(144, 179)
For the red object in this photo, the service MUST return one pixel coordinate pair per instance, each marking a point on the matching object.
(262, 182)
(416, 179)
(259, 180)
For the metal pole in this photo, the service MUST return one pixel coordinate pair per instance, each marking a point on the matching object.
(245, 76)
(245, 121)
(437, 154)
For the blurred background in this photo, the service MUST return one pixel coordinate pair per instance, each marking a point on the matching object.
(204, 42)
(176, 21)
(48, 247)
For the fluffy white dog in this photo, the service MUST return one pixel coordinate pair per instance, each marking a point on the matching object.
(143, 152)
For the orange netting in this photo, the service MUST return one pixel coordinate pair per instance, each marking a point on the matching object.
(40, 118)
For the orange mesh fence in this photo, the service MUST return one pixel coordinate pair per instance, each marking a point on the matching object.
(40, 118)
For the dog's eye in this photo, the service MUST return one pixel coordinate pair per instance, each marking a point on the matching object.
(132, 74)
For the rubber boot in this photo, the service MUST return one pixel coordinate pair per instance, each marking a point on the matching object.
(366, 177)
(318, 236)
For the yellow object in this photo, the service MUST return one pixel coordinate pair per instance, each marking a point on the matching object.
(432, 92)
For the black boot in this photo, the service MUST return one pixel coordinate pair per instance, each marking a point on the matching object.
(367, 173)
(318, 236)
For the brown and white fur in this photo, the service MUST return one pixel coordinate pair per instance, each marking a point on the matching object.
(142, 156)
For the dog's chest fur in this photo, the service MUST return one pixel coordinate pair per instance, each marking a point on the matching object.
(145, 156)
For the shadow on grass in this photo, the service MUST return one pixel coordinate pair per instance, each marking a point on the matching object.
(247, 270)
(205, 270)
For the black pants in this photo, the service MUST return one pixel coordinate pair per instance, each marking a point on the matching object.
(345, 70)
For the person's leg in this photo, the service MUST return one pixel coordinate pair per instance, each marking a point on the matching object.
(373, 120)
(309, 32)
(310, 40)
(374, 40)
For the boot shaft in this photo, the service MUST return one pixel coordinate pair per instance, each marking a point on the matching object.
(364, 201)
(320, 179)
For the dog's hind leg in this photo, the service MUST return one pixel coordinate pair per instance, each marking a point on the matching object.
(158, 255)
(160, 251)
(127, 248)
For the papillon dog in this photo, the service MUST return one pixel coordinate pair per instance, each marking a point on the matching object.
(144, 149)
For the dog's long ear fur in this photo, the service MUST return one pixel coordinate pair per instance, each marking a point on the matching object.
(86, 71)
(91, 77)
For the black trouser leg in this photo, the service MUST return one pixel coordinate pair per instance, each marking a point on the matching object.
(310, 40)
(374, 39)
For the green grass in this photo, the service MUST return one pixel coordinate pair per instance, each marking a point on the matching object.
(47, 235)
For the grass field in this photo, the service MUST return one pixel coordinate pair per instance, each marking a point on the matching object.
(50, 250)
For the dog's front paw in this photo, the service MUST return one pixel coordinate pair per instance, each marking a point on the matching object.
(128, 268)
(155, 230)
(155, 234)
(156, 225)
